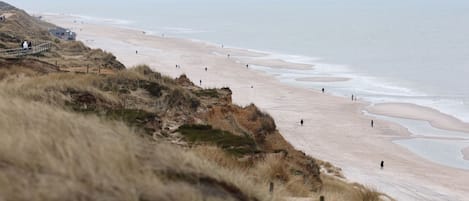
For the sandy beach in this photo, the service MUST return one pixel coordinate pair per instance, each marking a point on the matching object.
(335, 128)
(323, 79)
(411, 111)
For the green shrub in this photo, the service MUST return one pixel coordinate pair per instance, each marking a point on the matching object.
(237, 145)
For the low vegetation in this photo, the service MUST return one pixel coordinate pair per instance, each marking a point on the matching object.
(76, 125)
(87, 158)
(237, 145)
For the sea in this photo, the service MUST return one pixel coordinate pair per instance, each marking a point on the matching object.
(408, 51)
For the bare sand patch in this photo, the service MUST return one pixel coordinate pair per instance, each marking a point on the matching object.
(334, 128)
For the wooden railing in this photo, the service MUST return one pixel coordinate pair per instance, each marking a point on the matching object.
(19, 52)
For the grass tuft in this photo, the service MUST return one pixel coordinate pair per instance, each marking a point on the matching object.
(237, 145)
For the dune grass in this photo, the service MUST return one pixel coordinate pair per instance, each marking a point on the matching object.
(50, 154)
(237, 145)
(337, 189)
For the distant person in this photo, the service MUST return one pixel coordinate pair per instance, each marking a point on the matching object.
(247, 65)
(228, 55)
(222, 46)
(301, 122)
(205, 69)
(382, 164)
(252, 86)
(352, 97)
(136, 51)
(200, 82)
(322, 90)
(30, 45)
(372, 123)
(25, 45)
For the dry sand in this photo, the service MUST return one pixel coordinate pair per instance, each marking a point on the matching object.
(335, 129)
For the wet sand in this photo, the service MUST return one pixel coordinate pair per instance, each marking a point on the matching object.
(335, 128)
(323, 79)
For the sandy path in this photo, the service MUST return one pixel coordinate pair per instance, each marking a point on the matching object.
(335, 129)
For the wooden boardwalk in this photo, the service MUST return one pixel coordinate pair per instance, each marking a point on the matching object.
(20, 52)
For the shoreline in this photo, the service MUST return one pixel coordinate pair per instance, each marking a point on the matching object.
(412, 111)
(342, 119)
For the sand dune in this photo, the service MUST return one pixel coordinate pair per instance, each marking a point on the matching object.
(335, 129)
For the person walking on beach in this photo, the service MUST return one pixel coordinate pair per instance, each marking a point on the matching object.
(301, 122)
(200, 81)
(205, 69)
(352, 97)
(136, 51)
(382, 164)
(247, 65)
(322, 90)
(372, 123)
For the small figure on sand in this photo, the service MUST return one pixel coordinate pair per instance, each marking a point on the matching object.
(301, 122)
(136, 51)
(228, 55)
(372, 123)
(247, 65)
(382, 164)
(205, 69)
(352, 97)
(200, 81)
(252, 86)
(322, 90)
